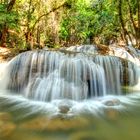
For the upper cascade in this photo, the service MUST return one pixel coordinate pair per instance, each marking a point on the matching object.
(127, 52)
(48, 75)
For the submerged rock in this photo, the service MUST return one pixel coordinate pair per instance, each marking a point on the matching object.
(6, 128)
(55, 124)
(111, 114)
(4, 116)
(83, 135)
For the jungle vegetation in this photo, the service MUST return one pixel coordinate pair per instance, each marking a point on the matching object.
(31, 24)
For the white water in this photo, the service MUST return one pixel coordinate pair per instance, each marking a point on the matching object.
(46, 76)
(54, 108)
(44, 81)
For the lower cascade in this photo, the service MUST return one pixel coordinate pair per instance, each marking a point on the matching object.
(50, 75)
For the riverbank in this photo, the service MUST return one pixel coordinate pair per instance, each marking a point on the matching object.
(5, 54)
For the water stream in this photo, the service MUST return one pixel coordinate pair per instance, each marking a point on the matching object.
(50, 91)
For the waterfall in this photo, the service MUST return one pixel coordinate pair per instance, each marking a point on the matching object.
(48, 75)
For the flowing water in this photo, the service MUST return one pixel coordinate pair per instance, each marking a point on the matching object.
(71, 95)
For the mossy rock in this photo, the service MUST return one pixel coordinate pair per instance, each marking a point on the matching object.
(55, 124)
(4, 116)
(6, 128)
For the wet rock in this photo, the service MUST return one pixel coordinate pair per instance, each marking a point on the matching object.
(113, 102)
(129, 68)
(64, 109)
(64, 106)
(62, 116)
(103, 49)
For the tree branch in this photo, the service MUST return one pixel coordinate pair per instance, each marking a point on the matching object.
(131, 17)
(125, 32)
(10, 5)
(46, 14)
(138, 33)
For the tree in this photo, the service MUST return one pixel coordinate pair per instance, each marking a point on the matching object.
(68, 22)
(130, 24)
(8, 19)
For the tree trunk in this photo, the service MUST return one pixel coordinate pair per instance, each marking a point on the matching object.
(138, 31)
(133, 25)
(3, 36)
(28, 33)
(5, 27)
(125, 32)
(10, 5)
(38, 36)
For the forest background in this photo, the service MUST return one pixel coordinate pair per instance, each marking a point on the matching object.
(32, 24)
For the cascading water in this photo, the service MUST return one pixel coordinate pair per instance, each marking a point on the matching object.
(67, 78)
(44, 75)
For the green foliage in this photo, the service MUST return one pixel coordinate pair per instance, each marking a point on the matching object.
(9, 18)
(90, 19)
(76, 22)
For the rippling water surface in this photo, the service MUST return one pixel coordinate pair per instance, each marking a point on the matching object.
(111, 117)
